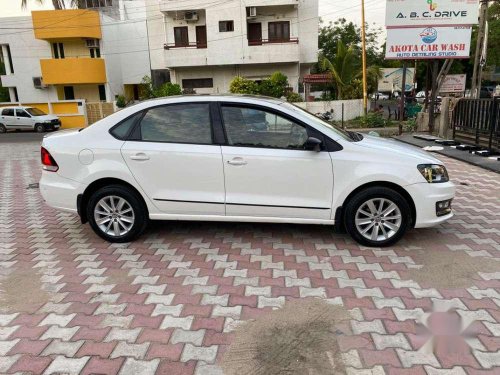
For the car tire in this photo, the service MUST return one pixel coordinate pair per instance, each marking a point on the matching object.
(126, 212)
(39, 128)
(3, 129)
(377, 216)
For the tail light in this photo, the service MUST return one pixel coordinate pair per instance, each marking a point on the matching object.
(48, 162)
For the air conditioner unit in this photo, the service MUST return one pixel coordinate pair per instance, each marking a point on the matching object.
(191, 16)
(252, 12)
(38, 83)
(92, 43)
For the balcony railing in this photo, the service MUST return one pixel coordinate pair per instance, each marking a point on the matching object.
(187, 45)
(259, 42)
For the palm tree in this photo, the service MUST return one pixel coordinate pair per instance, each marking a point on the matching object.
(347, 72)
(58, 4)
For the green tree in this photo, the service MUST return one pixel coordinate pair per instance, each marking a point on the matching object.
(148, 91)
(275, 86)
(347, 73)
(350, 35)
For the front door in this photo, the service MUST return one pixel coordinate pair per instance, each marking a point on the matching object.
(23, 120)
(254, 33)
(172, 156)
(268, 173)
(201, 37)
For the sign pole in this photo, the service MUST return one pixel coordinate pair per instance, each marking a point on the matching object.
(363, 42)
(481, 35)
(432, 104)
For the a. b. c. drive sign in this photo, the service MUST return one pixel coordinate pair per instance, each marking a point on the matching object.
(415, 13)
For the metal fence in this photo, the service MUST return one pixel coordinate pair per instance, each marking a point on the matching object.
(476, 122)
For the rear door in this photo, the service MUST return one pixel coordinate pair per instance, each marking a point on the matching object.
(24, 120)
(173, 157)
(268, 172)
(8, 118)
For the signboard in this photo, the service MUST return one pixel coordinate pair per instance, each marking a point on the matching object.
(453, 83)
(428, 43)
(392, 79)
(415, 13)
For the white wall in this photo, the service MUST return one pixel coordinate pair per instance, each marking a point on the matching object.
(26, 52)
(124, 46)
(352, 108)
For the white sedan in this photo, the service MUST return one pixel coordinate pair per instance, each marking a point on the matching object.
(243, 159)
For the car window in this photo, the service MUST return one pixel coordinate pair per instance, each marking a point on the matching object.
(35, 112)
(253, 127)
(8, 112)
(178, 123)
(122, 130)
(21, 113)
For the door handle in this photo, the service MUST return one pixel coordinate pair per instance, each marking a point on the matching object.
(139, 157)
(237, 161)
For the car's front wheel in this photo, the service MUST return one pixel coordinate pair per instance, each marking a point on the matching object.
(117, 214)
(377, 216)
(39, 128)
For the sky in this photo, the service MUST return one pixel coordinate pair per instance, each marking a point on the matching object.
(329, 10)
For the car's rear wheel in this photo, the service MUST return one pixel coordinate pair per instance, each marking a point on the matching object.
(377, 216)
(117, 214)
(39, 128)
(3, 129)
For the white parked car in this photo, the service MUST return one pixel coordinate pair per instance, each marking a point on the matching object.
(380, 96)
(420, 97)
(239, 158)
(27, 118)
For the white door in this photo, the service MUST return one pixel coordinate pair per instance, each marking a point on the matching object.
(174, 160)
(8, 118)
(268, 173)
(24, 120)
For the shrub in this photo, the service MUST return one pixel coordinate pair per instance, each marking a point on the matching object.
(120, 101)
(293, 97)
(148, 91)
(240, 85)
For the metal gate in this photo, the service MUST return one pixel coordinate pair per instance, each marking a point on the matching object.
(476, 122)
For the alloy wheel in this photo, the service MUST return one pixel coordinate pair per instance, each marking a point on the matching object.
(378, 219)
(114, 216)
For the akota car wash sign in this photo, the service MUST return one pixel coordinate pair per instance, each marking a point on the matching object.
(428, 43)
(413, 13)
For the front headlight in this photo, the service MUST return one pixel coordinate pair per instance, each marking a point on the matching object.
(47, 122)
(433, 173)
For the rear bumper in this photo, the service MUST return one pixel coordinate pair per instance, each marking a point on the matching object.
(425, 197)
(59, 192)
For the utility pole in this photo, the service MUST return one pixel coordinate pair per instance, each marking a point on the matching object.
(363, 43)
(481, 36)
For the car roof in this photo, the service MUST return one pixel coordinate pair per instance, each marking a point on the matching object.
(216, 97)
(15, 107)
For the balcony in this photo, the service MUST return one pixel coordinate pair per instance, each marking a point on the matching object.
(66, 24)
(73, 71)
(259, 42)
(186, 56)
(264, 51)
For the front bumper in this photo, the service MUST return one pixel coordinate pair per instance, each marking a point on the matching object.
(60, 192)
(425, 196)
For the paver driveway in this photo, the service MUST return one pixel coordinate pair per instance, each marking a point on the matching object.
(173, 301)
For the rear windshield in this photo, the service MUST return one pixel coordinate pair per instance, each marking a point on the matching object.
(35, 112)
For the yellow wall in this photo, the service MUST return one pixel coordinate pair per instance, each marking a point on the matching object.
(67, 23)
(88, 92)
(73, 71)
(74, 48)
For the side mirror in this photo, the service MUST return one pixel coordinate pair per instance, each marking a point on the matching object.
(313, 144)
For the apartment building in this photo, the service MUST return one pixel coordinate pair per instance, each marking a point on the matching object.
(202, 45)
(94, 53)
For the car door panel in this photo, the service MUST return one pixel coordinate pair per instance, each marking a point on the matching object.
(268, 172)
(23, 120)
(278, 183)
(180, 177)
(8, 118)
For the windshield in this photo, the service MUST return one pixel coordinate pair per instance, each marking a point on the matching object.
(35, 112)
(340, 132)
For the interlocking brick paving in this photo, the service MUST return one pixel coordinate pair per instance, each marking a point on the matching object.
(174, 301)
